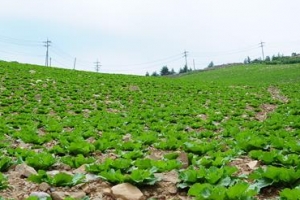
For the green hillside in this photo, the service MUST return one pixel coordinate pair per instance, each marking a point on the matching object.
(229, 133)
(249, 74)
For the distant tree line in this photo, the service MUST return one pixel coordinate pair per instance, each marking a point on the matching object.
(165, 71)
(275, 59)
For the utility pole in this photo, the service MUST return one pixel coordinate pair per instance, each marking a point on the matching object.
(97, 64)
(74, 63)
(47, 45)
(262, 50)
(50, 61)
(194, 64)
(185, 56)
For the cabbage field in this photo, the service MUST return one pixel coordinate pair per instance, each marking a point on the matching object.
(228, 133)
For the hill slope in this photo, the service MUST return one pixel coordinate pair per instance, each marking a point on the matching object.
(228, 133)
(249, 74)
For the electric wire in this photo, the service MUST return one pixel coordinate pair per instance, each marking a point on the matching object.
(19, 53)
(19, 42)
(65, 59)
(148, 62)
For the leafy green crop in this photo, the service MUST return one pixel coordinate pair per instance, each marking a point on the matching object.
(126, 128)
(165, 165)
(145, 177)
(207, 191)
(37, 198)
(40, 161)
(290, 194)
(5, 163)
(275, 176)
(60, 179)
(275, 157)
(3, 182)
(77, 161)
(212, 175)
(137, 176)
(80, 147)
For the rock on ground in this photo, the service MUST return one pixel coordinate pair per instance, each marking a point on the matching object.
(40, 195)
(63, 195)
(25, 170)
(127, 191)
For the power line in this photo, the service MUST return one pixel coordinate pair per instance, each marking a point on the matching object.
(19, 42)
(148, 67)
(149, 62)
(47, 45)
(19, 53)
(60, 52)
(223, 53)
(68, 57)
(60, 63)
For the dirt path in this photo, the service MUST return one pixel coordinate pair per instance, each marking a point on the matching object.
(266, 108)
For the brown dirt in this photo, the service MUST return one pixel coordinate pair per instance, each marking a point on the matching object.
(20, 188)
(266, 109)
(243, 164)
(269, 193)
(269, 108)
(277, 95)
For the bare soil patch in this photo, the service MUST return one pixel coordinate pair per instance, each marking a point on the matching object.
(277, 95)
(266, 109)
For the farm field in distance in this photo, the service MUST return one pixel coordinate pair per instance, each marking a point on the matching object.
(228, 133)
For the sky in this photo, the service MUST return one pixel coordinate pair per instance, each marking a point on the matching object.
(139, 36)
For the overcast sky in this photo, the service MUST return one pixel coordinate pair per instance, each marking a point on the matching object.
(136, 36)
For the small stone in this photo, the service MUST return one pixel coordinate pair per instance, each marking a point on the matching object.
(253, 164)
(91, 177)
(98, 198)
(146, 193)
(155, 154)
(62, 166)
(77, 195)
(53, 172)
(134, 88)
(44, 187)
(160, 190)
(63, 195)
(171, 176)
(172, 189)
(87, 189)
(25, 170)
(80, 170)
(23, 145)
(96, 95)
(32, 71)
(40, 195)
(106, 191)
(127, 137)
(127, 191)
(58, 195)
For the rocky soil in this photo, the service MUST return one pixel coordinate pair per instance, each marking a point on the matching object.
(96, 189)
